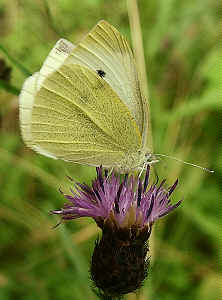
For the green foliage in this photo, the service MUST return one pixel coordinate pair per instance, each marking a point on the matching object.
(181, 44)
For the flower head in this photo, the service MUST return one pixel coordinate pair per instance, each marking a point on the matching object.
(125, 210)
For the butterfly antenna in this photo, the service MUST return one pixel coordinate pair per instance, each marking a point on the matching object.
(185, 162)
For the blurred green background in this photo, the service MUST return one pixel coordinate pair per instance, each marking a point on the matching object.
(182, 51)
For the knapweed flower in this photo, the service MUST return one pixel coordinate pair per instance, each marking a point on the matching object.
(125, 210)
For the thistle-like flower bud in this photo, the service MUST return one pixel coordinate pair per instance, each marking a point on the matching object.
(125, 211)
(119, 262)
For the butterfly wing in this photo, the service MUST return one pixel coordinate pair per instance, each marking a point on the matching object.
(76, 116)
(105, 49)
(68, 111)
(54, 60)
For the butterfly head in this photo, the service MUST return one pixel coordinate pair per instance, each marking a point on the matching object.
(135, 161)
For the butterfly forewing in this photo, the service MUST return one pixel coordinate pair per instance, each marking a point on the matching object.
(105, 49)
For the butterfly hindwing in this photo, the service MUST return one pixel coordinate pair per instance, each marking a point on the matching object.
(74, 113)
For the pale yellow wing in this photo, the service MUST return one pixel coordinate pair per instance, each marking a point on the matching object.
(76, 116)
(105, 49)
(54, 60)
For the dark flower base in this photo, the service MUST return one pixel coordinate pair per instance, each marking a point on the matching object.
(119, 262)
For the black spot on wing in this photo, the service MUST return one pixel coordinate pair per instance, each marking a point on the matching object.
(101, 73)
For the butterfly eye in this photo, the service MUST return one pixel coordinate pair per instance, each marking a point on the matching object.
(101, 73)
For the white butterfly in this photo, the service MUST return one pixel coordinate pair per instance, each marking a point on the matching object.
(85, 105)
